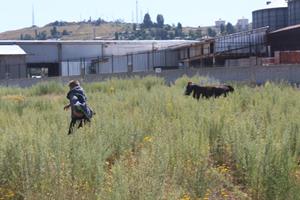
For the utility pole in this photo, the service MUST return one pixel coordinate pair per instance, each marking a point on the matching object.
(137, 12)
(33, 21)
(94, 33)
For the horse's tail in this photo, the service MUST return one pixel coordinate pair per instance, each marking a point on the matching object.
(230, 88)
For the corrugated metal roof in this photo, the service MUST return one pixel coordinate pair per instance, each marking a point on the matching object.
(164, 42)
(286, 28)
(11, 50)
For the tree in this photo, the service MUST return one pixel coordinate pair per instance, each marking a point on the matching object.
(98, 22)
(191, 35)
(222, 29)
(160, 20)
(54, 32)
(199, 33)
(168, 27)
(161, 34)
(178, 30)
(229, 28)
(211, 32)
(147, 23)
(65, 32)
(171, 35)
(134, 27)
(41, 35)
(116, 36)
(26, 37)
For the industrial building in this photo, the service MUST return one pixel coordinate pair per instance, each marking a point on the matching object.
(286, 39)
(12, 62)
(277, 17)
(274, 18)
(69, 58)
(215, 51)
(220, 23)
(294, 12)
(242, 24)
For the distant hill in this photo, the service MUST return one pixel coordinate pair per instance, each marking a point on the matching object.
(87, 30)
(68, 31)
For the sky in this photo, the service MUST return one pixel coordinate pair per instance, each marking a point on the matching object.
(16, 14)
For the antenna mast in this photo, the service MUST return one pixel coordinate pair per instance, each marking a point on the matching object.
(33, 21)
(137, 11)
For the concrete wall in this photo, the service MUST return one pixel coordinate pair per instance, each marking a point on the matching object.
(243, 62)
(258, 75)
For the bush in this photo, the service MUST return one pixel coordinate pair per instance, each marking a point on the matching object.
(47, 88)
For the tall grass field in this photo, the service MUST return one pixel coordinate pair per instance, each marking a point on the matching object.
(149, 141)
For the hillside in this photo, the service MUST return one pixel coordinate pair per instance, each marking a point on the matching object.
(75, 31)
(86, 31)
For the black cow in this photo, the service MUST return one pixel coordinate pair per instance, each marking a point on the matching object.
(207, 91)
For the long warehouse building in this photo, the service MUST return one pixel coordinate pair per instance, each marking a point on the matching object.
(69, 58)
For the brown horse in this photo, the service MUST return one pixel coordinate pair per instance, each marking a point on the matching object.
(207, 91)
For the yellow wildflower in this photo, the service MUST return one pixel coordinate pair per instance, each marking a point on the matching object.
(147, 139)
(112, 90)
(223, 169)
(186, 197)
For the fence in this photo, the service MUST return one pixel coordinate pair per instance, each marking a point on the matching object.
(289, 73)
(137, 62)
(252, 43)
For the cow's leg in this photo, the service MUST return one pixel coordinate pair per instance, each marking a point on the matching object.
(194, 94)
(198, 97)
(80, 124)
(87, 121)
(71, 127)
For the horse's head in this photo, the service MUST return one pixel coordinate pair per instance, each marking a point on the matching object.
(189, 88)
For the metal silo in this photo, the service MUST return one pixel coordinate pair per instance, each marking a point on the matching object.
(275, 18)
(294, 12)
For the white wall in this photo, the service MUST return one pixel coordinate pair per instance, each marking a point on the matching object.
(40, 53)
(70, 68)
(77, 51)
